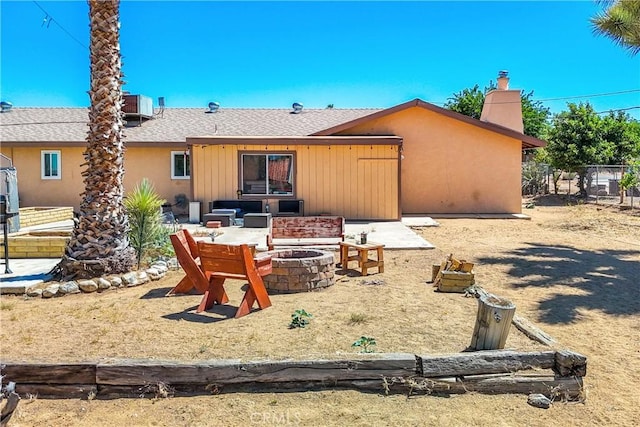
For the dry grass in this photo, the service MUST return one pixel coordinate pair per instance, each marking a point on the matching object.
(571, 270)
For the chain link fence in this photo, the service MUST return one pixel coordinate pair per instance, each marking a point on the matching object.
(605, 184)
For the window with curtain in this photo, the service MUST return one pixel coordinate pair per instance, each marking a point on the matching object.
(269, 173)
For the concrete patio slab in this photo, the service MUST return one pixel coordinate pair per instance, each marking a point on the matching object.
(25, 273)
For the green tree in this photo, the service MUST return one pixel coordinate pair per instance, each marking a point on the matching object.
(624, 133)
(99, 243)
(577, 139)
(144, 209)
(535, 117)
(620, 21)
(470, 101)
(541, 155)
(630, 179)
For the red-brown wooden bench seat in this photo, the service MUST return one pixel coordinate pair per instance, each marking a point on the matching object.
(305, 231)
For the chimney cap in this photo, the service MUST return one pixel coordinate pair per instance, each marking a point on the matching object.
(503, 73)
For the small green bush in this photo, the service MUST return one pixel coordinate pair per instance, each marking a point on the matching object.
(143, 207)
(299, 319)
(366, 344)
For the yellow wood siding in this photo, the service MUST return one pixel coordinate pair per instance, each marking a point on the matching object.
(354, 181)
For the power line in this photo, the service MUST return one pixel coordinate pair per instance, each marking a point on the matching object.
(590, 96)
(613, 110)
(48, 19)
(562, 98)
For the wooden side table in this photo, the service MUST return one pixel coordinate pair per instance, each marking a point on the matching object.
(362, 256)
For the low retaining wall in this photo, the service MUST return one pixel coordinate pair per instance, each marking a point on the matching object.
(556, 374)
(36, 244)
(42, 215)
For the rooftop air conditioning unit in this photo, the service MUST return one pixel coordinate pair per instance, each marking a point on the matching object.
(138, 106)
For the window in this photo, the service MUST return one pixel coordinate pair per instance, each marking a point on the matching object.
(267, 174)
(180, 168)
(50, 164)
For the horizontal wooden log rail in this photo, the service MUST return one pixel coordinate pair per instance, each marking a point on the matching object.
(532, 331)
(549, 372)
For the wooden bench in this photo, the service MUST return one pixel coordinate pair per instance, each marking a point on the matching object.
(305, 231)
(187, 254)
(219, 262)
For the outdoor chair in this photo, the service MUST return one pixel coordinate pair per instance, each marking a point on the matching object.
(220, 262)
(186, 250)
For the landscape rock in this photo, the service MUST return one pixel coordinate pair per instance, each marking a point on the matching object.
(34, 292)
(373, 282)
(130, 279)
(103, 284)
(539, 400)
(172, 264)
(115, 281)
(154, 274)
(50, 291)
(143, 277)
(88, 286)
(160, 267)
(160, 263)
(69, 288)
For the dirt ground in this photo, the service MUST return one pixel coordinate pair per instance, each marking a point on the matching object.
(572, 270)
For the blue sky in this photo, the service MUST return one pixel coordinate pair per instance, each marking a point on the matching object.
(350, 54)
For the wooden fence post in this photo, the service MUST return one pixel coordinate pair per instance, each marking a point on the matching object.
(493, 321)
(10, 406)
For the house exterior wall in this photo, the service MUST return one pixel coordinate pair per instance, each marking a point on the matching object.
(140, 162)
(35, 191)
(155, 165)
(357, 182)
(450, 166)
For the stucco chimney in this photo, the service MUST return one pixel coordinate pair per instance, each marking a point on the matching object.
(503, 106)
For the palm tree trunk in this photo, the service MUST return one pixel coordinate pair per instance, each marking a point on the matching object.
(99, 243)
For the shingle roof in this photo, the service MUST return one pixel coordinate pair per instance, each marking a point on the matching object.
(175, 124)
(527, 141)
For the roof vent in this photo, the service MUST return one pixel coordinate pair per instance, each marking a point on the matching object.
(5, 106)
(297, 107)
(213, 107)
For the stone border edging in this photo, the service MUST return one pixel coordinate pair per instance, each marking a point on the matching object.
(156, 271)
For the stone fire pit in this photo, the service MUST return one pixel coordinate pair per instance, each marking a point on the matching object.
(300, 270)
